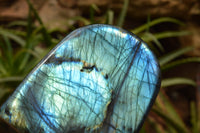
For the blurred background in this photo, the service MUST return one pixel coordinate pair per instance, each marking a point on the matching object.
(29, 29)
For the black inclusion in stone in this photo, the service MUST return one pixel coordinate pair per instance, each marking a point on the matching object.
(87, 68)
(7, 111)
(106, 76)
(130, 130)
(77, 130)
(60, 60)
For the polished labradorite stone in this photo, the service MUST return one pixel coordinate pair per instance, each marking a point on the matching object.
(99, 79)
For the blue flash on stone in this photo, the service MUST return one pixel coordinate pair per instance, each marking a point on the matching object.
(98, 79)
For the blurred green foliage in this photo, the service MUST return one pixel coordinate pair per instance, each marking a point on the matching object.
(22, 48)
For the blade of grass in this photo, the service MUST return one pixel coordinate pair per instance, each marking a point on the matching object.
(122, 15)
(24, 55)
(10, 79)
(170, 121)
(9, 51)
(33, 36)
(179, 62)
(156, 126)
(29, 27)
(15, 32)
(177, 81)
(168, 34)
(198, 97)
(92, 15)
(169, 114)
(29, 51)
(93, 9)
(155, 22)
(82, 19)
(17, 23)
(46, 36)
(164, 60)
(110, 17)
(194, 117)
(12, 36)
(148, 23)
(165, 34)
(30, 65)
(147, 36)
(3, 70)
(3, 63)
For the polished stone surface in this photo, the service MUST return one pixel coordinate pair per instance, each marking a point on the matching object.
(99, 78)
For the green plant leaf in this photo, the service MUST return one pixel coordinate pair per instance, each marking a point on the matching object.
(46, 36)
(122, 15)
(17, 23)
(154, 125)
(169, 57)
(167, 34)
(147, 36)
(82, 19)
(177, 81)
(168, 113)
(9, 51)
(12, 36)
(110, 17)
(155, 22)
(11, 79)
(171, 123)
(194, 117)
(180, 62)
(3, 70)
(95, 7)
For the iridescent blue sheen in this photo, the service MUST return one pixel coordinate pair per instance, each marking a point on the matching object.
(99, 78)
